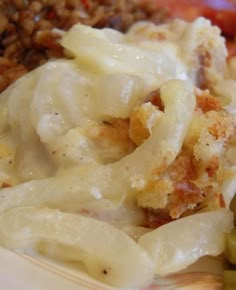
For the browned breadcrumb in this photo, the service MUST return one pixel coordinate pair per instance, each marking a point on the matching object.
(213, 166)
(142, 120)
(196, 173)
(184, 167)
(206, 102)
(186, 196)
(155, 98)
(138, 132)
(155, 195)
(223, 126)
(156, 218)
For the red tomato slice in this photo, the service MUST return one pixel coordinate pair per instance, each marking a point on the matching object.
(225, 19)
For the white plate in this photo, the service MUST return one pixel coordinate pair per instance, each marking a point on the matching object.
(22, 272)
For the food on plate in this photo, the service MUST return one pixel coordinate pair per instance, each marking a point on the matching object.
(28, 38)
(122, 155)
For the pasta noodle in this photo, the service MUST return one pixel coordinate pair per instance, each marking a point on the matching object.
(92, 241)
(179, 250)
(116, 178)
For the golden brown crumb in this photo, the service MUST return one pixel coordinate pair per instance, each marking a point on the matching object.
(196, 173)
(138, 131)
(155, 98)
(156, 218)
(222, 127)
(186, 196)
(213, 166)
(142, 120)
(155, 195)
(183, 167)
(206, 102)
